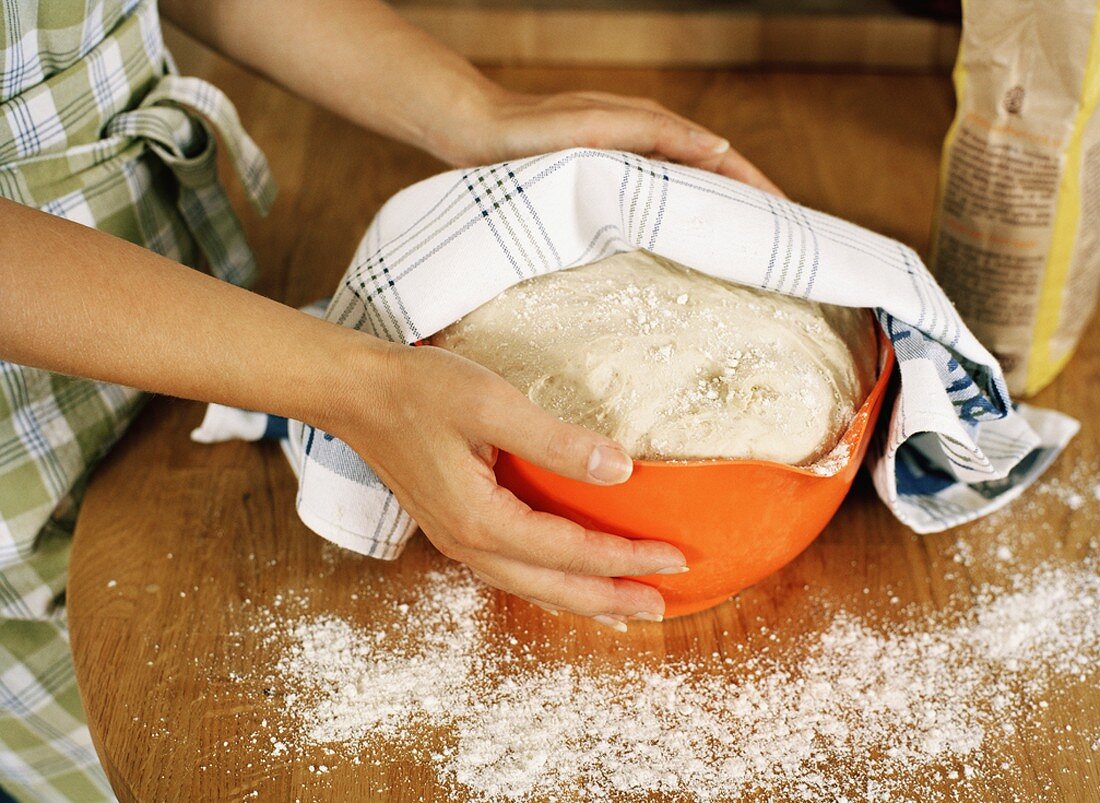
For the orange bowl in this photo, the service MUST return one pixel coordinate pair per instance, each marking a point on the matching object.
(736, 521)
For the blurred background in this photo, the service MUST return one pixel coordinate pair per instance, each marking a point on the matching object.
(914, 35)
(843, 103)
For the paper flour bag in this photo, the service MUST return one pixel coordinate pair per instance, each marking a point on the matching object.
(1017, 238)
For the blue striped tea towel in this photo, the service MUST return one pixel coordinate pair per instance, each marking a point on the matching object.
(953, 448)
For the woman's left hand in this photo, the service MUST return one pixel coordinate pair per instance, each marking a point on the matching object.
(364, 61)
(509, 125)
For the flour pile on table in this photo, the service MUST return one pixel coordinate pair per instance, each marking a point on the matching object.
(1037, 517)
(854, 709)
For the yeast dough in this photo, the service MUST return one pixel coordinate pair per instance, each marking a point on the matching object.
(674, 364)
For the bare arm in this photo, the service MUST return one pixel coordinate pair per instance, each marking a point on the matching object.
(79, 301)
(358, 58)
(362, 60)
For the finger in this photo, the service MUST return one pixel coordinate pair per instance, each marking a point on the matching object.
(659, 131)
(510, 421)
(546, 606)
(647, 104)
(734, 165)
(587, 596)
(643, 131)
(615, 622)
(543, 539)
(514, 530)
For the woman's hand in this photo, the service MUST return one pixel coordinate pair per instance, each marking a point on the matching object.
(361, 59)
(78, 301)
(507, 125)
(437, 423)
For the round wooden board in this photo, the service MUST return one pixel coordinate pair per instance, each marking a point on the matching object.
(180, 548)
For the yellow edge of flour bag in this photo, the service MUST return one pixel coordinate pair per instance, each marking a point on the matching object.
(1043, 361)
(1016, 242)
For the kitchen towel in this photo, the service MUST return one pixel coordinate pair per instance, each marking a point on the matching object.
(953, 448)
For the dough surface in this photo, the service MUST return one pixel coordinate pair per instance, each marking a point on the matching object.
(674, 364)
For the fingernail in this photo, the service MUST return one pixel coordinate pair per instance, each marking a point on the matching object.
(672, 570)
(609, 465)
(715, 143)
(648, 617)
(607, 621)
(547, 608)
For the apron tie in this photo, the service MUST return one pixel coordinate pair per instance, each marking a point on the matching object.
(178, 121)
(109, 119)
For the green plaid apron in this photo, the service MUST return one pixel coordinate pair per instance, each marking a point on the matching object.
(96, 127)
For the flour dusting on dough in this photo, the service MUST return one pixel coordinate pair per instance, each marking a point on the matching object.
(674, 364)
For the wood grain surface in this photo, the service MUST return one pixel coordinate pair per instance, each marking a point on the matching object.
(179, 544)
(687, 35)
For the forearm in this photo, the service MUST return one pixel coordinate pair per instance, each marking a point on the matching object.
(78, 301)
(358, 58)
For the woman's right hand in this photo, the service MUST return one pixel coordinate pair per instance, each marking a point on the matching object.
(431, 423)
(428, 421)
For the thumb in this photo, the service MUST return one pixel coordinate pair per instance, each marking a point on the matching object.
(572, 451)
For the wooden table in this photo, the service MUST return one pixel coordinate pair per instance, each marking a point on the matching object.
(177, 543)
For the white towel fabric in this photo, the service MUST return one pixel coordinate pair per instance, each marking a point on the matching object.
(952, 449)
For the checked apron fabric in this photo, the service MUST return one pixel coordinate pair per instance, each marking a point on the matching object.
(95, 127)
(953, 447)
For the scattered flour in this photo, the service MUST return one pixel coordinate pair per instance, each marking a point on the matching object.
(911, 703)
(852, 710)
(1037, 517)
(836, 460)
(1073, 491)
